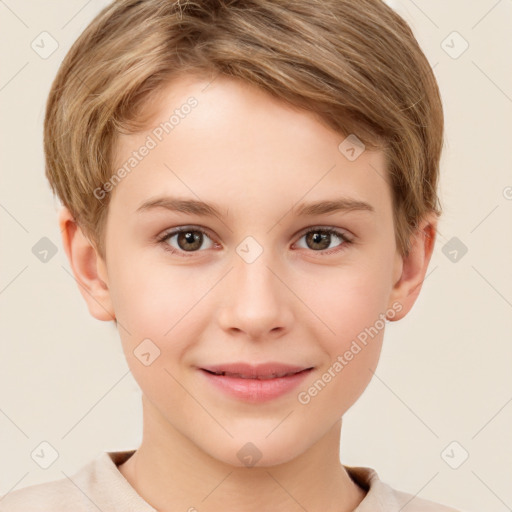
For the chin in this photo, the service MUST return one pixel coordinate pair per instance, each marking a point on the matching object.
(261, 452)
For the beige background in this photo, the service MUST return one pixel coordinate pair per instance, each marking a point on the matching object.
(445, 372)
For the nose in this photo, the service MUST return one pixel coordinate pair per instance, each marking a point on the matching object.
(257, 302)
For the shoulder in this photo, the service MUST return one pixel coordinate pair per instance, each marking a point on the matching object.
(381, 497)
(78, 492)
(57, 495)
(98, 485)
(410, 503)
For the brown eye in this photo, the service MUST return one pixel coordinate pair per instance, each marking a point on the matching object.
(187, 240)
(320, 239)
(317, 240)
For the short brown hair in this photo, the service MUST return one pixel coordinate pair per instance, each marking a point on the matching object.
(355, 63)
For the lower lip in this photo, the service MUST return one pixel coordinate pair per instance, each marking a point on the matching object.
(256, 390)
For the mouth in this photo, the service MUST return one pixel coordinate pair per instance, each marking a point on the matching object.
(261, 372)
(255, 384)
(257, 377)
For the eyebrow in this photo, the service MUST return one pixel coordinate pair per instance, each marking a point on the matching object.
(194, 207)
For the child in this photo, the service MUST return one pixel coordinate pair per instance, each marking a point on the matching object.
(262, 129)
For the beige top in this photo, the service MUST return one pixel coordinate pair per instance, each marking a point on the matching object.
(100, 486)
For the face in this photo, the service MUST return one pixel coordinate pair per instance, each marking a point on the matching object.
(266, 278)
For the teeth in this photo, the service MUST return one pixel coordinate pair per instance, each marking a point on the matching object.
(260, 377)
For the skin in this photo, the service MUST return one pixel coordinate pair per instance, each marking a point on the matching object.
(256, 158)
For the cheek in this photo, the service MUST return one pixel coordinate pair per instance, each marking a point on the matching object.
(151, 298)
(339, 384)
(158, 314)
(350, 323)
(351, 345)
(345, 302)
(160, 304)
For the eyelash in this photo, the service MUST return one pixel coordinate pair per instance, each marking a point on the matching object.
(331, 231)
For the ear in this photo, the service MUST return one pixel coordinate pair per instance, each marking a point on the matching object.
(411, 269)
(88, 267)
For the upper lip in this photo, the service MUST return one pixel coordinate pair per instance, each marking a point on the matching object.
(269, 370)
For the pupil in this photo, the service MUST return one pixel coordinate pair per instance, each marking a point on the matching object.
(190, 239)
(317, 238)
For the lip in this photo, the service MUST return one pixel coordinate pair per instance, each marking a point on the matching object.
(255, 371)
(258, 383)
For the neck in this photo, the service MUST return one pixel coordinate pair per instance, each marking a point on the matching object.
(171, 473)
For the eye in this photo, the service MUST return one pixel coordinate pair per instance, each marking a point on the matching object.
(188, 239)
(319, 239)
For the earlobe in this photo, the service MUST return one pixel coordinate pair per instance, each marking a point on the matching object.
(88, 268)
(414, 267)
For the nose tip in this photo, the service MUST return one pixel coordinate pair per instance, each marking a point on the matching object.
(255, 300)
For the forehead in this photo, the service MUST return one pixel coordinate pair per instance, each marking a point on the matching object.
(233, 144)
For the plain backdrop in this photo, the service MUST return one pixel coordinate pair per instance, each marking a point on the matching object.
(443, 390)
